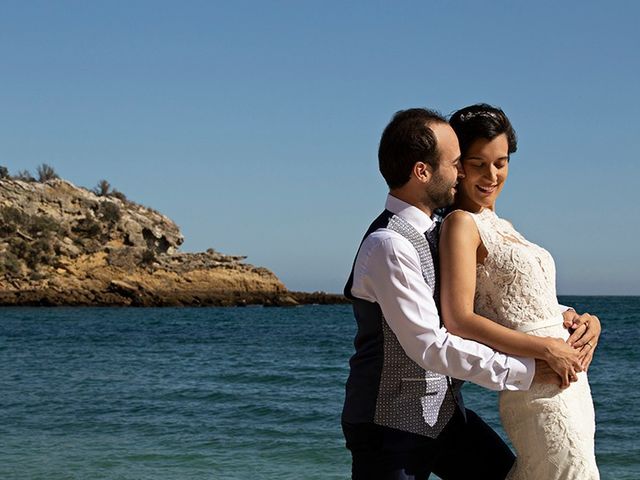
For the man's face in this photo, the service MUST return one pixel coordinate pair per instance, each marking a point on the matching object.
(442, 187)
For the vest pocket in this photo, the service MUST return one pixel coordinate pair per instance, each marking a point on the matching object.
(421, 387)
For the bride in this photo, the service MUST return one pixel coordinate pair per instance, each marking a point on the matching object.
(489, 271)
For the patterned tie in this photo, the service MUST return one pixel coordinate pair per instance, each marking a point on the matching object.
(432, 235)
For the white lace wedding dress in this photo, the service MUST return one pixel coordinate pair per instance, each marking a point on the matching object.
(552, 430)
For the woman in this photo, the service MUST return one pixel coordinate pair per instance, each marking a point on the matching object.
(490, 271)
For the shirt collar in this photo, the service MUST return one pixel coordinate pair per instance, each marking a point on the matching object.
(416, 217)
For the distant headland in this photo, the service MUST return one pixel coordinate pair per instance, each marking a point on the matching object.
(66, 245)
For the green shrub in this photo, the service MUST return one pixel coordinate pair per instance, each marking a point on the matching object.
(87, 227)
(39, 252)
(119, 195)
(13, 216)
(7, 229)
(32, 253)
(10, 264)
(36, 275)
(25, 176)
(46, 172)
(102, 189)
(110, 212)
(19, 247)
(10, 219)
(4, 172)
(41, 225)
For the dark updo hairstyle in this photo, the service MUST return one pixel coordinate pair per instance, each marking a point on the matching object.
(408, 139)
(482, 121)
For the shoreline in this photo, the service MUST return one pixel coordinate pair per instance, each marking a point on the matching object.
(123, 297)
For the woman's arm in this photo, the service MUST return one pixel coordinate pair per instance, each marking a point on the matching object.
(459, 243)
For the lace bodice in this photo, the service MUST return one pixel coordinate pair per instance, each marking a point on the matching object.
(551, 429)
(516, 285)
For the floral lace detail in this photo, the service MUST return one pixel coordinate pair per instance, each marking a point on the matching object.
(515, 286)
(552, 430)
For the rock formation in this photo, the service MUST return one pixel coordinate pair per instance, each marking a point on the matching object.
(65, 245)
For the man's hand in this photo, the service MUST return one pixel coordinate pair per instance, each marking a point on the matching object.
(562, 359)
(546, 374)
(585, 333)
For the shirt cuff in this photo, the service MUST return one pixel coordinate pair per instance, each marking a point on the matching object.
(521, 372)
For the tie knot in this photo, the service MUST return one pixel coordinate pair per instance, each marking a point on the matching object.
(434, 230)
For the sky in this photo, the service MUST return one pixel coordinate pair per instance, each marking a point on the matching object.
(255, 125)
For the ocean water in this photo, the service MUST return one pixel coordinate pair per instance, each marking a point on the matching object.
(230, 393)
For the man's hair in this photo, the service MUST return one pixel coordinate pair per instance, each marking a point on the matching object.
(406, 140)
(482, 121)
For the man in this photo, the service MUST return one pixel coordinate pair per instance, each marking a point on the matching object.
(403, 416)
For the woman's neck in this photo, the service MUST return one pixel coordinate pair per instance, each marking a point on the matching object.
(464, 203)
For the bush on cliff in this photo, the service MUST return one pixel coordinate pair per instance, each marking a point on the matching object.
(119, 195)
(102, 188)
(25, 176)
(9, 218)
(10, 264)
(39, 252)
(46, 172)
(42, 225)
(109, 212)
(87, 227)
(13, 221)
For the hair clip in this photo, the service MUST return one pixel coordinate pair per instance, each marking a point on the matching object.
(469, 115)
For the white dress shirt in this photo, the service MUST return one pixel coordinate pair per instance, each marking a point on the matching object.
(387, 271)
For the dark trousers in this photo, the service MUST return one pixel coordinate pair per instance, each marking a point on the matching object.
(464, 450)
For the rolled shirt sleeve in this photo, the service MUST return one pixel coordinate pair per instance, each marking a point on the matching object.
(388, 272)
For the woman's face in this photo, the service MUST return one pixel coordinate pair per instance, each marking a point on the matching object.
(486, 165)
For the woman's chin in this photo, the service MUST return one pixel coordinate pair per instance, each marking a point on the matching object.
(484, 201)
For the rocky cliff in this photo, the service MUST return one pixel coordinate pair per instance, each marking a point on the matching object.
(65, 245)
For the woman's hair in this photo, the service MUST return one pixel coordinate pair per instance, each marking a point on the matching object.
(482, 121)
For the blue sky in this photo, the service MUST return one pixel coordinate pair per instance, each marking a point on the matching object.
(254, 125)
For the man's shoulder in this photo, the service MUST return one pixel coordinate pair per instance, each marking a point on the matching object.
(384, 242)
(383, 253)
(384, 236)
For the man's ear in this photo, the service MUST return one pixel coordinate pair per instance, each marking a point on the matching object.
(422, 171)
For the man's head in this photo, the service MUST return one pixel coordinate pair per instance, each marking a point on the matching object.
(419, 158)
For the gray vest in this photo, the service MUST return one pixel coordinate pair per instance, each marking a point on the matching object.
(407, 397)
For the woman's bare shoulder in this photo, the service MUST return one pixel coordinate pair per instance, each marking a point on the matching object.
(459, 219)
(459, 226)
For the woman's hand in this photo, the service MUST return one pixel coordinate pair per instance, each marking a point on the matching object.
(586, 329)
(563, 359)
(586, 355)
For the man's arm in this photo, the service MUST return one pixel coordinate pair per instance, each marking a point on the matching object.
(459, 241)
(391, 276)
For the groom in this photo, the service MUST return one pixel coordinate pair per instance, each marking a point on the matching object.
(403, 416)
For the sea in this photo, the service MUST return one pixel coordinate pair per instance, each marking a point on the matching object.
(231, 393)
